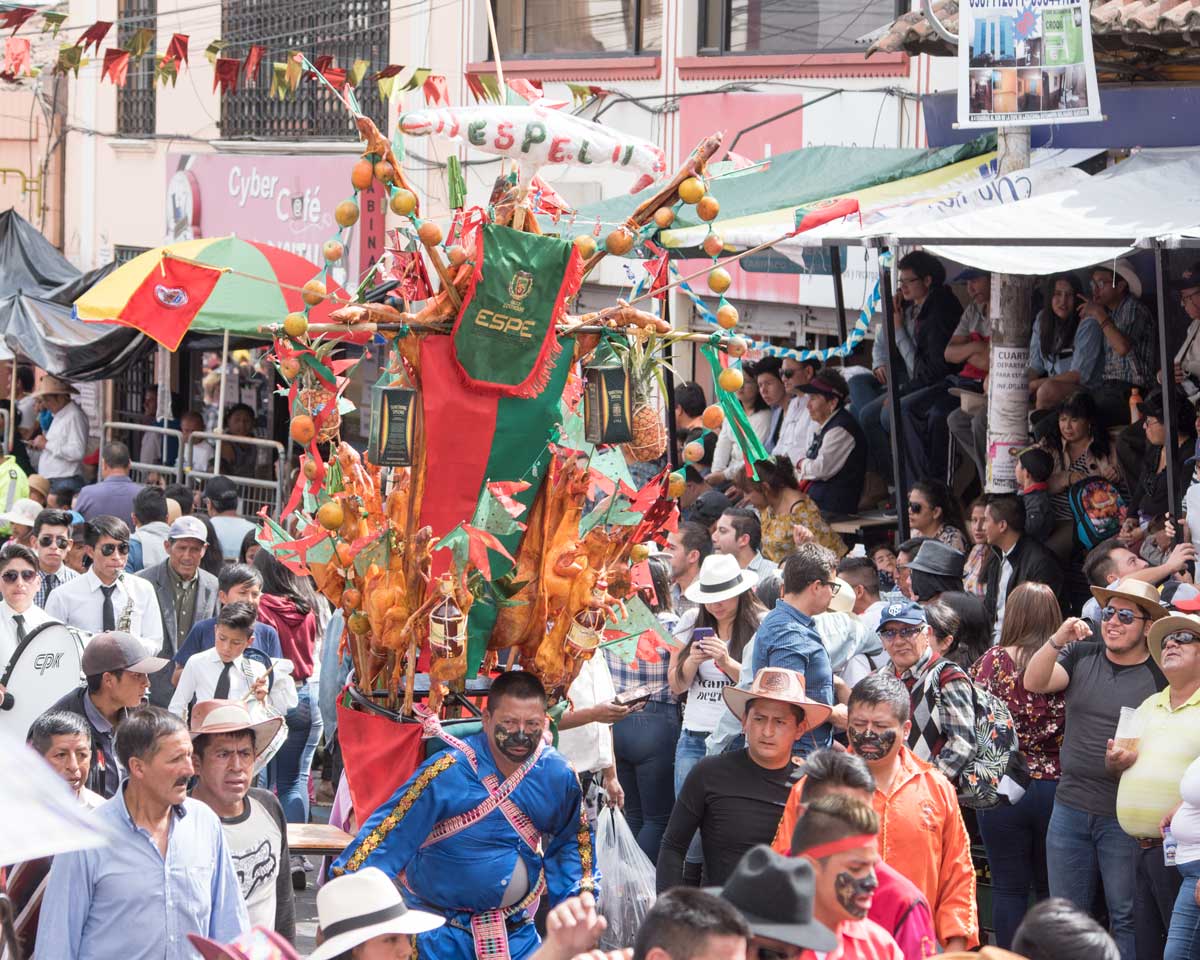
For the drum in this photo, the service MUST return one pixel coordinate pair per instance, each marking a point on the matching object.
(45, 668)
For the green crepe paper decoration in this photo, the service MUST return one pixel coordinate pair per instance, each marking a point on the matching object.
(52, 21)
(490, 515)
(459, 545)
(357, 72)
(420, 75)
(571, 435)
(611, 463)
(456, 186)
(611, 514)
(639, 620)
(319, 552)
(375, 552)
(743, 433)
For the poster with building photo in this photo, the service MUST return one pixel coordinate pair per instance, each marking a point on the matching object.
(1025, 62)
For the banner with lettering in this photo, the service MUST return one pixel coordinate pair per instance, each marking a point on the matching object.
(1025, 62)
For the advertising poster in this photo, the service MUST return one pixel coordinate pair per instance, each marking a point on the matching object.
(1026, 63)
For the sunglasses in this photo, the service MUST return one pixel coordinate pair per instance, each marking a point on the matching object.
(11, 576)
(787, 374)
(906, 632)
(108, 549)
(47, 539)
(1181, 637)
(915, 507)
(1124, 616)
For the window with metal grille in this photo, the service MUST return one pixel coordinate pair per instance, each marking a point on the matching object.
(347, 30)
(130, 388)
(123, 254)
(557, 28)
(136, 104)
(790, 26)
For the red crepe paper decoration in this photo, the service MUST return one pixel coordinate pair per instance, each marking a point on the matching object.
(475, 85)
(225, 74)
(659, 269)
(94, 34)
(253, 59)
(435, 90)
(177, 49)
(16, 57)
(15, 17)
(335, 77)
(529, 90)
(116, 66)
(320, 65)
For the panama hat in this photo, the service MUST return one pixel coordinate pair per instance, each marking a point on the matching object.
(356, 907)
(231, 716)
(257, 943)
(775, 895)
(782, 686)
(720, 578)
(52, 386)
(1135, 591)
(1174, 623)
(842, 600)
(24, 512)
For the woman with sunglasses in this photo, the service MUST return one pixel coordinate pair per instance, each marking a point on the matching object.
(1015, 836)
(19, 582)
(934, 514)
(788, 515)
(1163, 454)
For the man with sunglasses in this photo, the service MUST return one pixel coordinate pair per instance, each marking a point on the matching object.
(1150, 774)
(105, 598)
(1085, 843)
(18, 615)
(51, 541)
(117, 673)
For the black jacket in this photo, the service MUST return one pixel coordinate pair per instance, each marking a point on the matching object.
(105, 774)
(1031, 562)
(935, 325)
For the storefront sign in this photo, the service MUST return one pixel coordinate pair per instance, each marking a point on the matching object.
(286, 201)
(1025, 62)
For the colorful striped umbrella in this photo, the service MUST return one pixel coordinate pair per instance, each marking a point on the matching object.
(217, 285)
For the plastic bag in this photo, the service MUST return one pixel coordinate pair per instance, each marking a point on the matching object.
(627, 887)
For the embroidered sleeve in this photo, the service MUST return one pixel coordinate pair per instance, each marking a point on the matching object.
(397, 829)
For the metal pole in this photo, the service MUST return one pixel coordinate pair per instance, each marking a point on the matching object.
(669, 381)
(12, 404)
(1167, 366)
(221, 403)
(839, 296)
(893, 362)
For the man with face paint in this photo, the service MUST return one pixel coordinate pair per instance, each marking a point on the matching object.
(837, 834)
(922, 829)
(484, 829)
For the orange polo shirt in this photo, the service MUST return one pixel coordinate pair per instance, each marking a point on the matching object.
(860, 940)
(921, 834)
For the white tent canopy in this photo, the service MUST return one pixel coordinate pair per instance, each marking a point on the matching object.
(1147, 196)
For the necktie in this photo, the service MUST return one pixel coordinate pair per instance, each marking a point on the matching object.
(222, 690)
(51, 582)
(110, 620)
(19, 620)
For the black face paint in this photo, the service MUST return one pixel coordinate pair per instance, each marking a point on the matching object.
(848, 888)
(517, 746)
(870, 745)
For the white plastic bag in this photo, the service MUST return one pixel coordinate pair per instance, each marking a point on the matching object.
(627, 880)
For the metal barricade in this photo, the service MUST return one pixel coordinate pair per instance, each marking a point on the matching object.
(253, 492)
(140, 470)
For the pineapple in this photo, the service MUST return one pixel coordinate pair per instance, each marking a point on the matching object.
(643, 360)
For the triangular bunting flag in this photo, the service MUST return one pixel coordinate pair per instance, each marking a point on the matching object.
(15, 17)
(253, 59)
(16, 57)
(357, 72)
(213, 50)
(335, 77)
(385, 79)
(492, 85)
(417, 79)
(177, 49)
(167, 70)
(51, 22)
(92, 35)
(278, 81)
(225, 74)
(294, 71)
(527, 90)
(436, 93)
(139, 43)
(69, 58)
(320, 65)
(116, 66)
(476, 87)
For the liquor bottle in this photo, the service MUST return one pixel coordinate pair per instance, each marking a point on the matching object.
(447, 623)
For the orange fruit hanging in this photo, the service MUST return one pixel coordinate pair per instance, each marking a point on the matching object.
(691, 190)
(731, 379)
(586, 245)
(362, 175)
(713, 417)
(303, 430)
(403, 202)
(346, 213)
(664, 217)
(330, 515)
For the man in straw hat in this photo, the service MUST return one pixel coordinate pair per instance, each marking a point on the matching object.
(484, 829)
(1150, 768)
(1085, 842)
(734, 798)
(64, 445)
(226, 742)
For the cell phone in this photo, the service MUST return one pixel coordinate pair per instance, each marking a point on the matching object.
(703, 633)
(634, 695)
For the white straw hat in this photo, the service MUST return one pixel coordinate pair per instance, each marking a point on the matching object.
(357, 907)
(720, 578)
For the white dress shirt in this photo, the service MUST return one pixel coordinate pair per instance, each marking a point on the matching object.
(80, 604)
(835, 450)
(201, 672)
(34, 617)
(1006, 572)
(589, 747)
(66, 443)
(795, 433)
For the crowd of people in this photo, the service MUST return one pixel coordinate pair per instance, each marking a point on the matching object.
(807, 766)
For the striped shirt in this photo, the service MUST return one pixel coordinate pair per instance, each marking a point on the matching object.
(1170, 741)
(52, 580)
(1132, 318)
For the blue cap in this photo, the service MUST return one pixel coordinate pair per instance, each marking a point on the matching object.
(76, 517)
(969, 273)
(902, 611)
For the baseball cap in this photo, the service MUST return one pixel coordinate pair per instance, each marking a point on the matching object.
(969, 273)
(709, 506)
(220, 489)
(902, 611)
(188, 528)
(108, 652)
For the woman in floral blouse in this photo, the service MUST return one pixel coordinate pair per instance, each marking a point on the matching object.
(1015, 836)
(788, 515)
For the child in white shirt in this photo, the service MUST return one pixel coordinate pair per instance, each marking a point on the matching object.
(223, 673)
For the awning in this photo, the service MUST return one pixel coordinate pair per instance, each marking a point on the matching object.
(29, 263)
(1153, 194)
(934, 194)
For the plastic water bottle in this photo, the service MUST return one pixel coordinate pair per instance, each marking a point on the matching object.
(1170, 846)
(1135, 397)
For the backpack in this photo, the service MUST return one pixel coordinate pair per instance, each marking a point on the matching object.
(1097, 509)
(996, 749)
